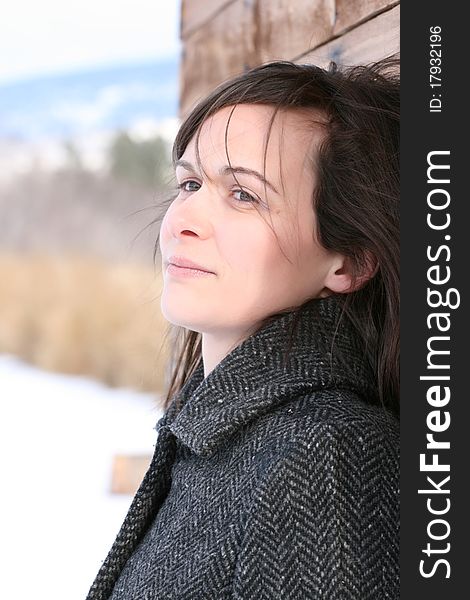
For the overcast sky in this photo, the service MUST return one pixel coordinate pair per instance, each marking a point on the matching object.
(50, 36)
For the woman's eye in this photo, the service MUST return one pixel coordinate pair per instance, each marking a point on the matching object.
(190, 185)
(244, 196)
(187, 186)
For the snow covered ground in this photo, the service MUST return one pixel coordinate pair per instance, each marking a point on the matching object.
(58, 435)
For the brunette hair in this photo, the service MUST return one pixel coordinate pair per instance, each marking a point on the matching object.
(356, 199)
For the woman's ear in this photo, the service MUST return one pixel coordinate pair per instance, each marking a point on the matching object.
(340, 277)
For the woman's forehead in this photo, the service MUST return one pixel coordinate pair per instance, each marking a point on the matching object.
(257, 132)
(258, 120)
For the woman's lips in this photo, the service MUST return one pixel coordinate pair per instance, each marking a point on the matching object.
(186, 271)
(183, 267)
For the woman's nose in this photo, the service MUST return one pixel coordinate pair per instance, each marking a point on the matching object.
(191, 215)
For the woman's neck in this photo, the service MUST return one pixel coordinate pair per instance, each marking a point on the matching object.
(217, 345)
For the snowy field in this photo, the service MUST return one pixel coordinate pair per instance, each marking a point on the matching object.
(58, 435)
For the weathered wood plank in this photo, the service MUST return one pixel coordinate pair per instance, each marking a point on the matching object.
(214, 52)
(373, 40)
(282, 28)
(246, 33)
(195, 13)
(348, 13)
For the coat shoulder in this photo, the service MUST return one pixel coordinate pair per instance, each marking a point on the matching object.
(328, 496)
(338, 454)
(341, 413)
(332, 424)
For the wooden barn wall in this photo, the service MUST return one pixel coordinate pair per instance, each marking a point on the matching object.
(222, 38)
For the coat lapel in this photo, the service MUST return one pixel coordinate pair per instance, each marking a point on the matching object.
(259, 375)
(142, 511)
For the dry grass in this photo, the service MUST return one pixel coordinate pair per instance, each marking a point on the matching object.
(81, 316)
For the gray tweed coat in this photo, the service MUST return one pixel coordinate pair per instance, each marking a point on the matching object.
(271, 482)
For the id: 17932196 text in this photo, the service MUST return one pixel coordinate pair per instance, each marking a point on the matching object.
(435, 68)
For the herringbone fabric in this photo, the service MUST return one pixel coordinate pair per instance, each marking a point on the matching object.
(272, 481)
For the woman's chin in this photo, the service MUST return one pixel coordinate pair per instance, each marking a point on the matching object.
(180, 316)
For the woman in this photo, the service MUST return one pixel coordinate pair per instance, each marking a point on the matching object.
(275, 473)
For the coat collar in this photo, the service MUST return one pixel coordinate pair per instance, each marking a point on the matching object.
(253, 379)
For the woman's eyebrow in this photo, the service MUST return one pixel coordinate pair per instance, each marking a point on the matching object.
(230, 170)
(184, 164)
(227, 170)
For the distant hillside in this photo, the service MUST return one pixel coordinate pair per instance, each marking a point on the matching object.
(84, 160)
(68, 105)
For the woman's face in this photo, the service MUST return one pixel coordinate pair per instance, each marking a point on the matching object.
(229, 231)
